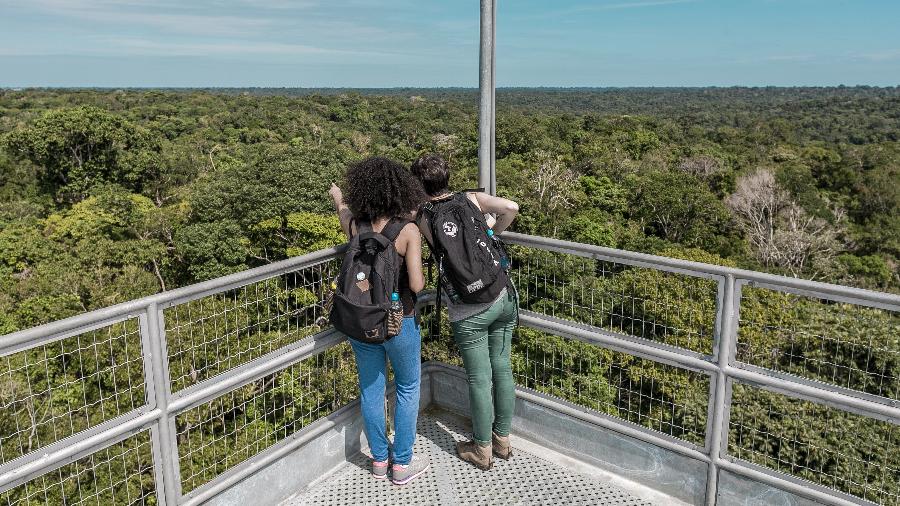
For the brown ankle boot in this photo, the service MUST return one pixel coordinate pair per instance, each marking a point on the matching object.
(471, 451)
(501, 446)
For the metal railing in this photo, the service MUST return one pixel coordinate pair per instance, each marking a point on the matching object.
(765, 354)
(162, 398)
(180, 395)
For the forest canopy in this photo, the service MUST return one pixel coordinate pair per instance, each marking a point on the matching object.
(108, 195)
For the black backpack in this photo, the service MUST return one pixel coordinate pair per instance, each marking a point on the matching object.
(369, 274)
(472, 263)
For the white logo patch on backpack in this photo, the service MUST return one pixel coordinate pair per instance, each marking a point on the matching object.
(474, 287)
(450, 228)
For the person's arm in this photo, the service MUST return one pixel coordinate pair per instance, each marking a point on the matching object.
(504, 210)
(413, 257)
(343, 212)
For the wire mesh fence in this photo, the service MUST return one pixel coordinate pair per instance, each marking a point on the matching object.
(232, 428)
(851, 346)
(847, 452)
(210, 335)
(121, 473)
(57, 389)
(660, 306)
(664, 398)
(437, 343)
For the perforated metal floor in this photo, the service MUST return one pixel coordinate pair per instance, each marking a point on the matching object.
(524, 480)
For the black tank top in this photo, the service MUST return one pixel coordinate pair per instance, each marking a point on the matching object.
(407, 297)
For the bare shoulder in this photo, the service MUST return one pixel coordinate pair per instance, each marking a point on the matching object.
(408, 236)
(411, 230)
(410, 233)
(474, 197)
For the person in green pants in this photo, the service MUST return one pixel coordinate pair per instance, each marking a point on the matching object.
(483, 331)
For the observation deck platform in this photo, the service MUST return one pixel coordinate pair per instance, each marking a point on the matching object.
(535, 475)
(559, 459)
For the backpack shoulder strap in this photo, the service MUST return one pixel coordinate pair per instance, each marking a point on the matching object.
(362, 226)
(441, 200)
(392, 229)
(430, 206)
(461, 196)
(464, 199)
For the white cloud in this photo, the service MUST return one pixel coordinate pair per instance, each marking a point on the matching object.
(632, 5)
(172, 17)
(796, 58)
(152, 47)
(881, 56)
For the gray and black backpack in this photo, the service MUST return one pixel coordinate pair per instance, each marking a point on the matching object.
(369, 274)
(472, 262)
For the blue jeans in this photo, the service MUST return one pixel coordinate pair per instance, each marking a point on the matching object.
(404, 351)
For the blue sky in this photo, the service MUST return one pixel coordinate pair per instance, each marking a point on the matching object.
(384, 43)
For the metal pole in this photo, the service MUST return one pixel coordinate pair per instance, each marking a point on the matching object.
(492, 189)
(719, 397)
(486, 97)
(165, 452)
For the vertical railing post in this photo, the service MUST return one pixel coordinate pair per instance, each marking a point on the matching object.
(720, 391)
(165, 452)
(486, 89)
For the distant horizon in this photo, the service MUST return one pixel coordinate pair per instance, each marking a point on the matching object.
(463, 88)
(434, 44)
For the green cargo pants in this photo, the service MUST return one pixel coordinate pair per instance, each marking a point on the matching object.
(484, 342)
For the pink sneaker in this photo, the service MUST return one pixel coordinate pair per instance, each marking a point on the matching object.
(405, 474)
(379, 469)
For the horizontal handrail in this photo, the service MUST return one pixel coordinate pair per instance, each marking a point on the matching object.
(70, 448)
(74, 447)
(163, 299)
(633, 346)
(273, 362)
(16, 340)
(821, 392)
(861, 296)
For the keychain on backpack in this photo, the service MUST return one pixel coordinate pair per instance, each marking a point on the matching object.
(322, 320)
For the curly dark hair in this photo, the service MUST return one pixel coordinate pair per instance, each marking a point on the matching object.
(379, 187)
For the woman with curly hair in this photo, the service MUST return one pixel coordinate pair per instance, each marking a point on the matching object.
(382, 193)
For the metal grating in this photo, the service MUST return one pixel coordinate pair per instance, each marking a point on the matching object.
(119, 474)
(54, 390)
(661, 397)
(232, 428)
(523, 480)
(664, 398)
(851, 346)
(210, 335)
(670, 308)
(834, 448)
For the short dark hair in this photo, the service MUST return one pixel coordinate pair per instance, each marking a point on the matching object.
(379, 187)
(434, 173)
